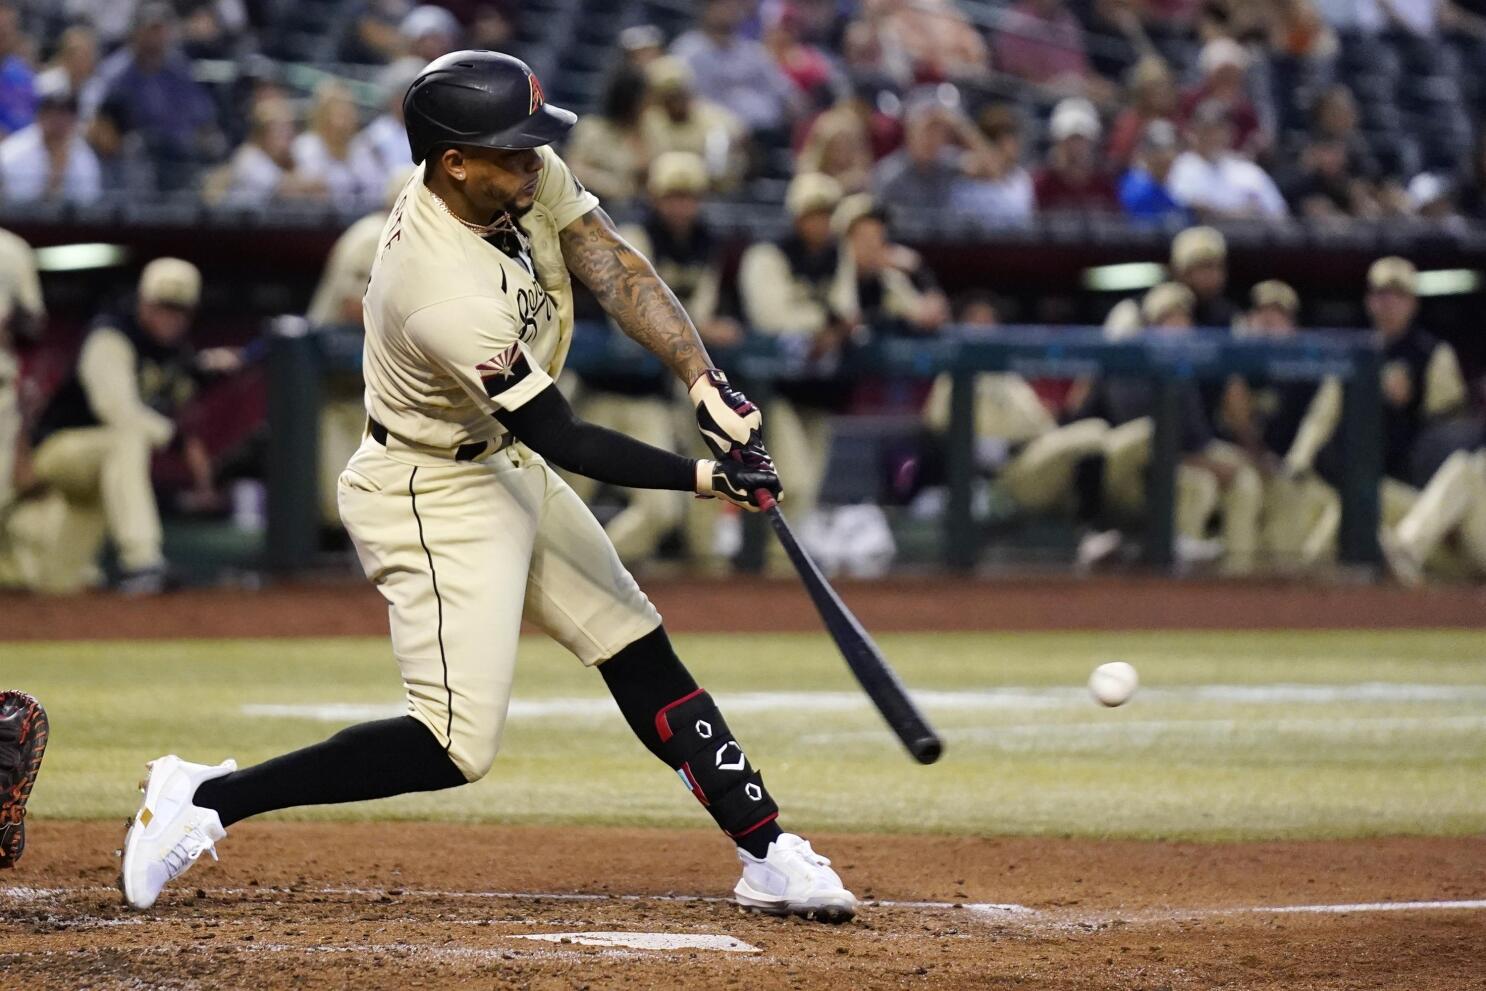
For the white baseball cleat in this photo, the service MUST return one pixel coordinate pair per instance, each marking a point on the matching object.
(793, 879)
(168, 833)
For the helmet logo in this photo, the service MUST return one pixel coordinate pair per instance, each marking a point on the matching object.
(537, 99)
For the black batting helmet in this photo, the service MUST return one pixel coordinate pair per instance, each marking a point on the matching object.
(485, 99)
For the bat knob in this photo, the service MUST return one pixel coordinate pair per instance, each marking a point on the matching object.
(927, 750)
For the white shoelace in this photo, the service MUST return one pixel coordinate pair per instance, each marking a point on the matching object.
(185, 853)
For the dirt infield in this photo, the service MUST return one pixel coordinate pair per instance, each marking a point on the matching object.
(349, 608)
(435, 906)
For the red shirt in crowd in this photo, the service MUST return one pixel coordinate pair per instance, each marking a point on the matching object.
(1058, 191)
(1241, 114)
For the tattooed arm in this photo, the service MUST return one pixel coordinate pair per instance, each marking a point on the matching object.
(628, 289)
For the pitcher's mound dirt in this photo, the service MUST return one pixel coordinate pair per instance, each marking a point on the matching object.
(397, 905)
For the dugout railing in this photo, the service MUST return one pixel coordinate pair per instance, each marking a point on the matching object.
(300, 359)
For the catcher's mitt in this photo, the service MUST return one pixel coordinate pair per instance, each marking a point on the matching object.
(23, 731)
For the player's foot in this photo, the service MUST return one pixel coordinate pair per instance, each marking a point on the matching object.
(792, 879)
(23, 732)
(169, 832)
(1407, 568)
(1096, 547)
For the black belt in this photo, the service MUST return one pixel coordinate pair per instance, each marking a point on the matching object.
(465, 452)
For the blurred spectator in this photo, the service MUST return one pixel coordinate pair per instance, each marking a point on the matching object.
(1322, 185)
(893, 288)
(678, 120)
(380, 151)
(804, 64)
(428, 32)
(925, 40)
(1042, 42)
(735, 72)
(490, 25)
(17, 80)
(859, 113)
(76, 65)
(1334, 117)
(1179, 14)
(606, 150)
(1214, 181)
(373, 36)
(1473, 180)
(212, 28)
(1143, 190)
(1152, 96)
(49, 159)
(1418, 17)
(262, 168)
(641, 45)
(152, 84)
(1223, 64)
(1072, 178)
(122, 160)
(864, 54)
(1298, 31)
(1433, 199)
(322, 154)
(997, 188)
(111, 19)
(798, 290)
(1116, 37)
(923, 173)
(837, 145)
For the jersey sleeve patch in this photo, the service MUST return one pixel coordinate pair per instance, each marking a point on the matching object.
(504, 371)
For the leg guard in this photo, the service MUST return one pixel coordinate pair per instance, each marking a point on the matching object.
(696, 742)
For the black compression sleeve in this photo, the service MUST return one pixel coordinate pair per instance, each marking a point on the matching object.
(546, 424)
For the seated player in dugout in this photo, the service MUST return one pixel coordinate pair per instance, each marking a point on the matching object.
(336, 303)
(22, 315)
(1206, 483)
(675, 238)
(1289, 421)
(94, 441)
(460, 520)
(1018, 440)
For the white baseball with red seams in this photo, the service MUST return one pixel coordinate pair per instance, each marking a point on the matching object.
(1113, 683)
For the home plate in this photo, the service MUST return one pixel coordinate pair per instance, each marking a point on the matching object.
(649, 941)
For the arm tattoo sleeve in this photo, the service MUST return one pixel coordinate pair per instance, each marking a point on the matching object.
(628, 289)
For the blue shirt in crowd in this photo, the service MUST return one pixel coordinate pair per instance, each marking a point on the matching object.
(17, 94)
(1146, 199)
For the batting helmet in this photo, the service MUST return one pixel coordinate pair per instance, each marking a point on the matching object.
(485, 99)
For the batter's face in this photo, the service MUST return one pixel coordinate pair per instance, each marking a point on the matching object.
(493, 180)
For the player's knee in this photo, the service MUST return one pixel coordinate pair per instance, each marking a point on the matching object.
(128, 444)
(474, 755)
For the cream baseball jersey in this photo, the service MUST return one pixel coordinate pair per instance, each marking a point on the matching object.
(460, 323)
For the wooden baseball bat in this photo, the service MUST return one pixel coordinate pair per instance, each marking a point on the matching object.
(864, 658)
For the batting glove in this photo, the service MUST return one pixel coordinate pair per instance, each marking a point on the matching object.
(737, 483)
(730, 424)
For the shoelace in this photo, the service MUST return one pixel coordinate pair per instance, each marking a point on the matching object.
(806, 851)
(187, 850)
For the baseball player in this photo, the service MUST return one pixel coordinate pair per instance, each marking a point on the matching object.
(94, 440)
(337, 303)
(459, 518)
(21, 312)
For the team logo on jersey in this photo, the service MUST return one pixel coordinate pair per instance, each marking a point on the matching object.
(504, 370)
(537, 98)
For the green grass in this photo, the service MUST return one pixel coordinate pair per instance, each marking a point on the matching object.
(1175, 762)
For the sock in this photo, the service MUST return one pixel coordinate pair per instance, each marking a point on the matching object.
(369, 760)
(646, 678)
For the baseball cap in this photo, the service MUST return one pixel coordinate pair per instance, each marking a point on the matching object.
(427, 19)
(668, 73)
(1161, 301)
(1197, 245)
(639, 36)
(1426, 188)
(1075, 115)
(811, 191)
(170, 282)
(1275, 293)
(677, 172)
(1393, 273)
(1222, 53)
(851, 209)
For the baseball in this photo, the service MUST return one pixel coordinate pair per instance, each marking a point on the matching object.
(1112, 684)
